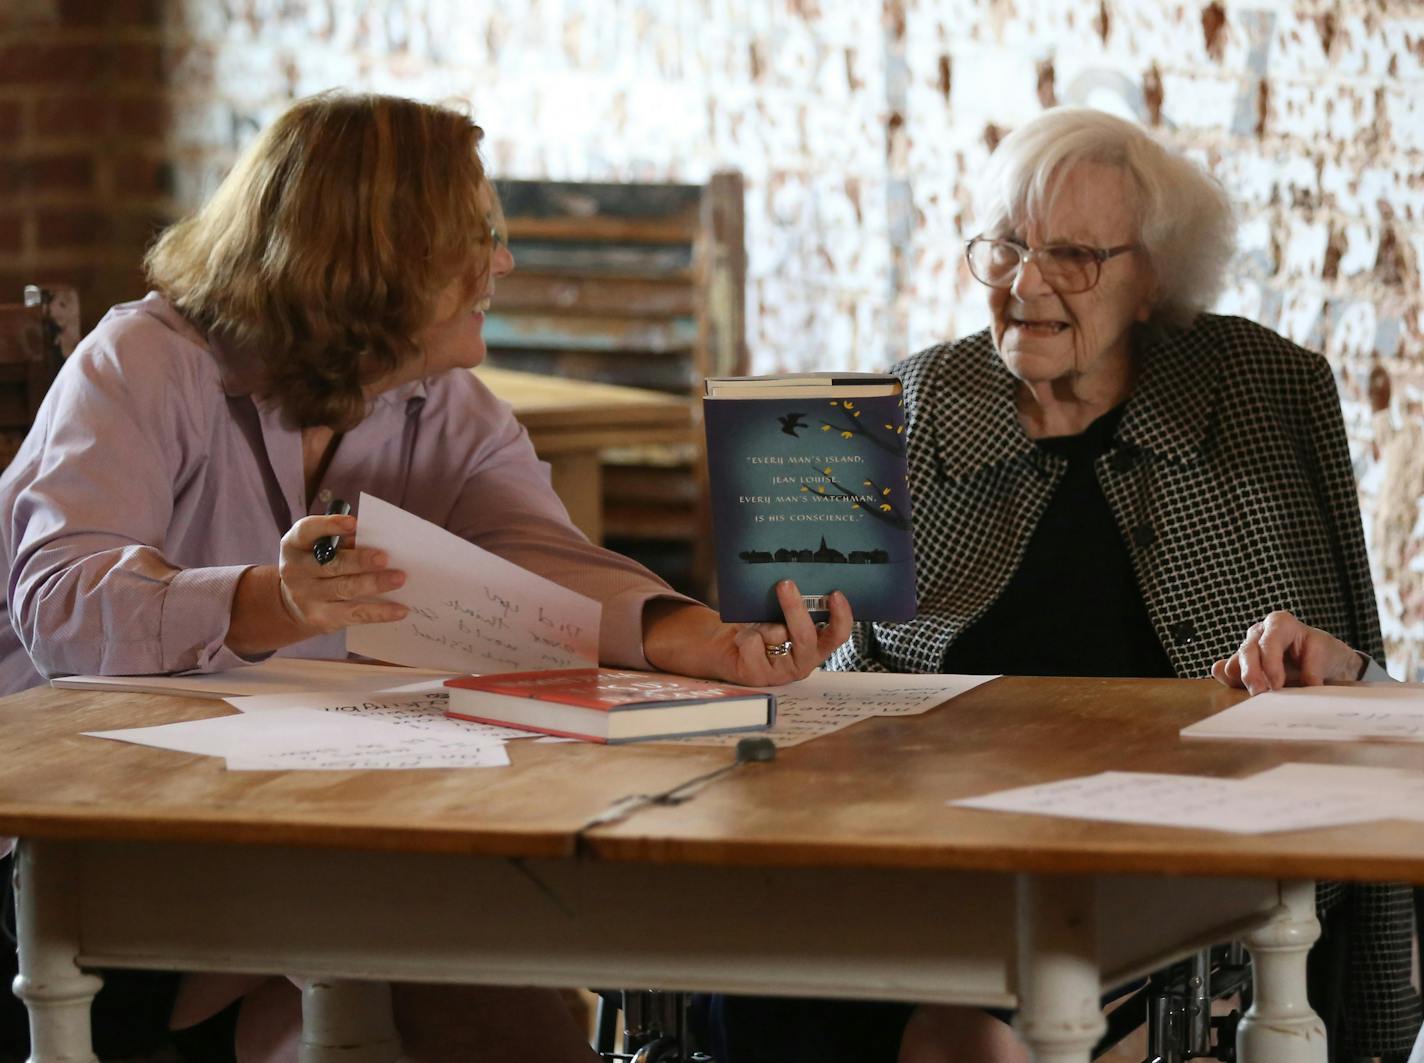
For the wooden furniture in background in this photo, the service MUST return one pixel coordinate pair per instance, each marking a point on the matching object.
(835, 870)
(572, 424)
(641, 285)
(35, 338)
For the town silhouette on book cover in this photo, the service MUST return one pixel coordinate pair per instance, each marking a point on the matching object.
(824, 555)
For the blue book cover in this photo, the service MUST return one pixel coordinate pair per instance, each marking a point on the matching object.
(809, 482)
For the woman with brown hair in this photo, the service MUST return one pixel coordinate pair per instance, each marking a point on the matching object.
(308, 338)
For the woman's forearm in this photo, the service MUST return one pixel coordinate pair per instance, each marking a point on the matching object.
(690, 639)
(260, 622)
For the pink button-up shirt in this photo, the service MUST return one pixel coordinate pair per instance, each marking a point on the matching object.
(153, 477)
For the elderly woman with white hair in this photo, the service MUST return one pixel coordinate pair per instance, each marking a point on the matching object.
(1109, 481)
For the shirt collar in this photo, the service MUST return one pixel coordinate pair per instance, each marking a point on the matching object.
(974, 424)
(238, 370)
(971, 410)
(1169, 414)
(240, 373)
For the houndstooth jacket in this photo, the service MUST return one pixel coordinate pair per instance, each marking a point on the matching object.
(1232, 487)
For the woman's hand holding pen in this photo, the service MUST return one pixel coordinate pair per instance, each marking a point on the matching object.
(299, 597)
(691, 639)
(332, 596)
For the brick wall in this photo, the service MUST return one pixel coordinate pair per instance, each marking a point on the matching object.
(84, 178)
(859, 126)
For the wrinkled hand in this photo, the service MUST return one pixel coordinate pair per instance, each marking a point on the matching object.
(325, 598)
(1281, 651)
(692, 640)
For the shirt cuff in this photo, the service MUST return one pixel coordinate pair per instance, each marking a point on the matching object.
(197, 609)
(1374, 671)
(620, 632)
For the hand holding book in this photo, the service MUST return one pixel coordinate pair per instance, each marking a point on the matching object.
(687, 639)
(808, 481)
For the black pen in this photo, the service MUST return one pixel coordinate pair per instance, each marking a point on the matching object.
(327, 545)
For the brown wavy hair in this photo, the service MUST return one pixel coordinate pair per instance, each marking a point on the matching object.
(327, 246)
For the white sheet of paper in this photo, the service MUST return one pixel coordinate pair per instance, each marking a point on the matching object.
(311, 738)
(1233, 805)
(272, 676)
(471, 611)
(422, 711)
(222, 736)
(826, 702)
(409, 753)
(1397, 792)
(425, 686)
(880, 693)
(1350, 713)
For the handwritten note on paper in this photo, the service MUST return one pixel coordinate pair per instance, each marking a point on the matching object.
(1397, 792)
(422, 711)
(310, 738)
(470, 610)
(409, 753)
(1232, 805)
(826, 702)
(1353, 713)
(881, 693)
(274, 675)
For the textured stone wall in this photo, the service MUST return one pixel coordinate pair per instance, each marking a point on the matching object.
(1311, 114)
(860, 125)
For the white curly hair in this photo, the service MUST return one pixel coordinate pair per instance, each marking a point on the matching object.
(1185, 220)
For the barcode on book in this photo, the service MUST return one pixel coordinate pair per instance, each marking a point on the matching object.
(814, 603)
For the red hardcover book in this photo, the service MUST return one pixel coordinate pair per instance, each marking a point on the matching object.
(609, 705)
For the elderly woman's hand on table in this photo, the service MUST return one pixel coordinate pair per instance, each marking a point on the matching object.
(689, 639)
(1282, 651)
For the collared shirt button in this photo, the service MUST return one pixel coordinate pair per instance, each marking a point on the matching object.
(324, 495)
(1144, 535)
(1184, 632)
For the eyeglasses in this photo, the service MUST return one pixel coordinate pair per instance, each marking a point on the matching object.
(1066, 268)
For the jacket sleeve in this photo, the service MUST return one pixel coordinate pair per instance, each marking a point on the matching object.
(90, 589)
(857, 653)
(1340, 506)
(1381, 1011)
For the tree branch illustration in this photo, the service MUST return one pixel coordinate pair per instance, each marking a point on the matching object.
(850, 425)
(876, 502)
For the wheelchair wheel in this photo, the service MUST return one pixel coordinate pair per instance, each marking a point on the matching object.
(663, 1050)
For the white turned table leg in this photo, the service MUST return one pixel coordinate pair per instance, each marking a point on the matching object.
(1059, 1018)
(1281, 1026)
(56, 992)
(348, 1022)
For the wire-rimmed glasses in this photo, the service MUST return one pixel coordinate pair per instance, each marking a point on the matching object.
(1066, 268)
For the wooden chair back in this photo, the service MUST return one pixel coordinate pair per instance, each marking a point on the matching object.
(641, 285)
(36, 335)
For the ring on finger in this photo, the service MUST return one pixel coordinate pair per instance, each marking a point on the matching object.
(778, 649)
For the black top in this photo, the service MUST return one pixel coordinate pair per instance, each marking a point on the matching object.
(1073, 607)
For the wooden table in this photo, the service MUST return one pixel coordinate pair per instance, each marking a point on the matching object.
(836, 870)
(572, 422)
